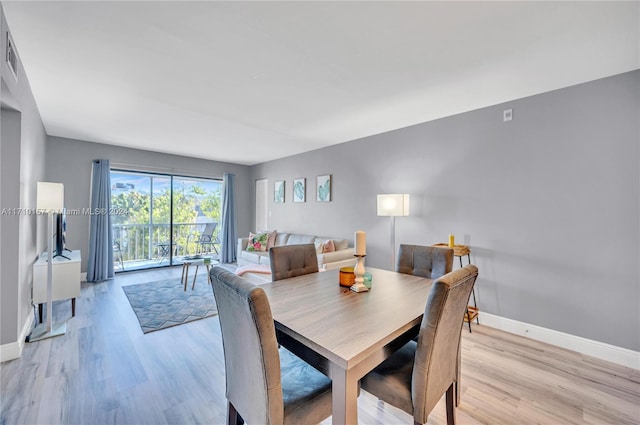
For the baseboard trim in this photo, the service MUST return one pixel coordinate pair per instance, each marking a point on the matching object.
(13, 350)
(600, 350)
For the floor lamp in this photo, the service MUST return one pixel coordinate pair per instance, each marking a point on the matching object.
(393, 205)
(50, 199)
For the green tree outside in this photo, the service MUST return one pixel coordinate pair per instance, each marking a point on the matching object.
(189, 201)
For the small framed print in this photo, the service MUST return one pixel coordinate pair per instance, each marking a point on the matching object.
(323, 188)
(299, 190)
(278, 192)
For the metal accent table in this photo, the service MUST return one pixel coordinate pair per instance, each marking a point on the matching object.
(461, 251)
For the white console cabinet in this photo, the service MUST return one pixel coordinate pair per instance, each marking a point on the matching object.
(65, 279)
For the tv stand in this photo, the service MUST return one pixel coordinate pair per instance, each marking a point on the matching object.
(63, 256)
(65, 280)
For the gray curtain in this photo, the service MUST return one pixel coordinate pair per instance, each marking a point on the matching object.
(100, 266)
(228, 238)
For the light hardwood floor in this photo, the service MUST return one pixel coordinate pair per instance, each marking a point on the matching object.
(105, 370)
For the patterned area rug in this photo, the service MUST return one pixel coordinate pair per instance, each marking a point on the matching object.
(163, 304)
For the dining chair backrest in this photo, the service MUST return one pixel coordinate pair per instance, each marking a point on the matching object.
(252, 362)
(425, 261)
(292, 260)
(435, 363)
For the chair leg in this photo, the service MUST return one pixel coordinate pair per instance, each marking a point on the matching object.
(233, 418)
(458, 375)
(451, 409)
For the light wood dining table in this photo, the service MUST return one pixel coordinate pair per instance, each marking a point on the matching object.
(343, 333)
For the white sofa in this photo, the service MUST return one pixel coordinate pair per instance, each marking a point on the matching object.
(341, 257)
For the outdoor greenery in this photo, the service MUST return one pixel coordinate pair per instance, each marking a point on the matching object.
(191, 203)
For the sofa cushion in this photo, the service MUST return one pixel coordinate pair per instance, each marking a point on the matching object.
(295, 239)
(264, 259)
(330, 257)
(282, 238)
(251, 256)
(341, 244)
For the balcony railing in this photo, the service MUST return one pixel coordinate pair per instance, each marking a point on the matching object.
(150, 242)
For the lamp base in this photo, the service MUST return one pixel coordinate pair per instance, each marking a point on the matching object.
(40, 332)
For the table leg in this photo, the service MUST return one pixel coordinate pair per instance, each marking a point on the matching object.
(194, 278)
(209, 274)
(185, 274)
(344, 396)
(73, 307)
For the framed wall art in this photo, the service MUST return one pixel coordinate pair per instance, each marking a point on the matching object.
(278, 192)
(323, 188)
(299, 190)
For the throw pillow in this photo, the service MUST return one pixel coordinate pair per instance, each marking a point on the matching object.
(271, 240)
(328, 246)
(257, 242)
(318, 243)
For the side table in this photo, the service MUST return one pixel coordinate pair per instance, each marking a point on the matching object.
(65, 280)
(461, 251)
(203, 261)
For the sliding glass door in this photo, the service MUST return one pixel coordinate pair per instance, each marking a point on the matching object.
(167, 217)
(196, 216)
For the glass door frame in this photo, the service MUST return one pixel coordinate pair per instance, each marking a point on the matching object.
(171, 178)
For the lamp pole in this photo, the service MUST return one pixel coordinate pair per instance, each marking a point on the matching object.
(393, 242)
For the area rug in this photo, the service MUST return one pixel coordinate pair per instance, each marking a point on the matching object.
(162, 304)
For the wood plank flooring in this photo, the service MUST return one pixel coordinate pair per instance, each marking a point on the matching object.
(104, 370)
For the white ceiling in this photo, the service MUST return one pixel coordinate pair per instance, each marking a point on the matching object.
(247, 82)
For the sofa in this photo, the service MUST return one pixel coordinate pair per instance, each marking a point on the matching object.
(340, 256)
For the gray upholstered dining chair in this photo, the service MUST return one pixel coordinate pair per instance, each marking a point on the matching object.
(415, 377)
(264, 385)
(425, 261)
(292, 260)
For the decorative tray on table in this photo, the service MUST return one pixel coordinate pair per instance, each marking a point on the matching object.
(193, 257)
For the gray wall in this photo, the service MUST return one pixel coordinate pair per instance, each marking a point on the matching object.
(23, 236)
(548, 202)
(69, 162)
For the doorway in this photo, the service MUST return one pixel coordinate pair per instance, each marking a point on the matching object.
(262, 205)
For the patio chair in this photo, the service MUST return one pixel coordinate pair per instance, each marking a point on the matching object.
(207, 240)
(117, 255)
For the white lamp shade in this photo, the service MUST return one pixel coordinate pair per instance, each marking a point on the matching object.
(393, 204)
(50, 197)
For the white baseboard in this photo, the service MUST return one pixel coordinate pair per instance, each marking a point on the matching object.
(13, 350)
(600, 350)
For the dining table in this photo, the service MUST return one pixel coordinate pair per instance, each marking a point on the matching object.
(345, 334)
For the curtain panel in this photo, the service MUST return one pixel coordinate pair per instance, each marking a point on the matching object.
(228, 233)
(100, 259)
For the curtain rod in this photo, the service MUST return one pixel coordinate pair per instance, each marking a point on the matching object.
(163, 170)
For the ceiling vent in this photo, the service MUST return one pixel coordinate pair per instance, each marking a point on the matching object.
(12, 59)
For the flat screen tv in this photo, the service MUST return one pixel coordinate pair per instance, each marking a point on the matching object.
(61, 234)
